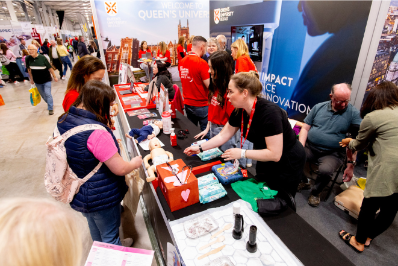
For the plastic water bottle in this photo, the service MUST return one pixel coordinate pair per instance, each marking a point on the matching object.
(166, 119)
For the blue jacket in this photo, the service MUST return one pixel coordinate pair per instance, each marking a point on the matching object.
(104, 189)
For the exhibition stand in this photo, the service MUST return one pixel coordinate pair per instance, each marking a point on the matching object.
(296, 234)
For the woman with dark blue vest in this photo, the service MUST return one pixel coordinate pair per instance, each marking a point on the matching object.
(99, 198)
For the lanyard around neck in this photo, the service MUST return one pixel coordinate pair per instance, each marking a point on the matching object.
(248, 125)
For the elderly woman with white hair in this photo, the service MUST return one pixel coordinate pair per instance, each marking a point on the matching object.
(212, 46)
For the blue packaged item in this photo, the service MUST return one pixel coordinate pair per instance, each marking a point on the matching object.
(210, 154)
(225, 178)
(211, 192)
(207, 180)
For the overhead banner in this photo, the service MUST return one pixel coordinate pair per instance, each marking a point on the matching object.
(301, 48)
(124, 25)
(12, 35)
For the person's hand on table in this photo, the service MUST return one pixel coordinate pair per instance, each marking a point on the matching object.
(231, 154)
(192, 150)
(344, 142)
(115, 109)
(202, 134)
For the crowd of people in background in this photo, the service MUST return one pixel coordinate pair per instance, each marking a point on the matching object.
(222, 95)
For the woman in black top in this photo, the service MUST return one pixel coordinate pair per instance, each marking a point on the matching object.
(44, 48)
(163, 77)
(280, 156)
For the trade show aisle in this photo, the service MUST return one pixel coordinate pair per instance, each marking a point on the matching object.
(24, 130)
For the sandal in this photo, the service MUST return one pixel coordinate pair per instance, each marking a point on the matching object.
(366, 246)
(346, 237)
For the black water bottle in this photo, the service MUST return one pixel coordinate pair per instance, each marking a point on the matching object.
(239, 227)
(251, 245)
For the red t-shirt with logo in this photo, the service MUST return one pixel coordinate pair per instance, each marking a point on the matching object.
(244, 64)
(218, 115)
(180, 50)
(189, 47)
(140, 53)
(193, 71)
(167, 54)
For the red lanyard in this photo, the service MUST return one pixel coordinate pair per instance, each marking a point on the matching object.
(248, 125)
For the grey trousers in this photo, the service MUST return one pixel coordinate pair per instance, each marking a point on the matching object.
(329, 162)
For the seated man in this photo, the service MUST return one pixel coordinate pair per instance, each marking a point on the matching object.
(324, 126)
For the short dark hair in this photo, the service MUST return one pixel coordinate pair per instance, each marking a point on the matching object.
(382, 96)
(198, 39)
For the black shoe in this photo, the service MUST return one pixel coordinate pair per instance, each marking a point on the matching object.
(303, 186)
(50, 112)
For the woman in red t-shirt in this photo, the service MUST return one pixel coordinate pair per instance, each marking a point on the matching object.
(180, 49)
(164, 54)
(146, 66)
(86, 68)
(189, 44)
(243, 63)
(240, 53)
(220, 108)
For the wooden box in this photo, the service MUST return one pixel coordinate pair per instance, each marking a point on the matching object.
(177, 197)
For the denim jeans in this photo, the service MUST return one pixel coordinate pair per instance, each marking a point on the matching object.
(148, 70)
(66, 61)
(45, 93)
(247, 146)
(231, 143)
(198, 114)
(104, 225)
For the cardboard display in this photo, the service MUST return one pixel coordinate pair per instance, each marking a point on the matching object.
(177, 196)
(138, 86)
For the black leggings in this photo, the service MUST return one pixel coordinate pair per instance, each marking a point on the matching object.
(285, 174)
(371, 226)
(58, 65)
(14, 70)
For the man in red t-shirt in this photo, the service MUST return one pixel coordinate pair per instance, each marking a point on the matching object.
(195, 80)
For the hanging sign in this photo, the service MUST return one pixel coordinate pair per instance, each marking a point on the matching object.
(26, 26)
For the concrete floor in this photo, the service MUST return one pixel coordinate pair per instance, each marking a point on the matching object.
(24, 129)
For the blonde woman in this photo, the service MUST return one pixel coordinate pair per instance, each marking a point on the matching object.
(280, 156)
(212, 46)
(64, 54)
(180, 49)
(164, 54)
(240, 53)
(38, 232)
(189, 45)
(37, 44)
